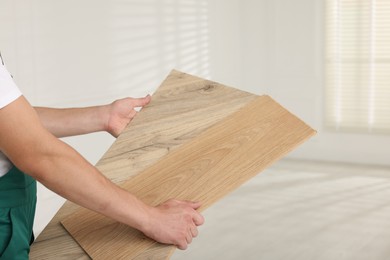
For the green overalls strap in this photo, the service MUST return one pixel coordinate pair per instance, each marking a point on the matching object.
(17, 210)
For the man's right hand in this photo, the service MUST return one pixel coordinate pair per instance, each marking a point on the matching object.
(174, 222)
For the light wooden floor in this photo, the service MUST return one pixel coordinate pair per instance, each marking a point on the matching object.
(301, 210)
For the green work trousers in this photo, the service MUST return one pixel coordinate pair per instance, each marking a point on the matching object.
(17, 209)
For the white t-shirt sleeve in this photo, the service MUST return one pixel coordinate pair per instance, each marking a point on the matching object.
(8, 89)
(8, 93)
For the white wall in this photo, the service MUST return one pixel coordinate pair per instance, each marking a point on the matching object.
(78, 53)
(283, 43)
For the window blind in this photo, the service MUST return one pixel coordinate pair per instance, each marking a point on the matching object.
(357, 92)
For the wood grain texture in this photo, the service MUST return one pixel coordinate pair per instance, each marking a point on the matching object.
(204, 169)
(182, 107)
(175, 115)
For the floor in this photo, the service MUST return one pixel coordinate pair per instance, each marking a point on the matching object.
(301, 210)
(294, 210)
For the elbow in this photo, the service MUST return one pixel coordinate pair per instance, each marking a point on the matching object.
(30, 167)
(33, 164)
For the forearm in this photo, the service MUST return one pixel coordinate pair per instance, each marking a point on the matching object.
(64, 171)
(73, 121)
(112, 118)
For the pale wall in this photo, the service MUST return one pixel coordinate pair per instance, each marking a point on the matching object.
(78, 53)
(283, 48)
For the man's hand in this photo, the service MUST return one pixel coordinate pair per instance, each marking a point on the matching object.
(121, 112)
(174, 222)
(112, 118)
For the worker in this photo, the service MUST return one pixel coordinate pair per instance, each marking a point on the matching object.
(30, 151)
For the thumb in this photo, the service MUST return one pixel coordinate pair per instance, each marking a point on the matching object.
(196, 216)
(140, 102)
(192, 204)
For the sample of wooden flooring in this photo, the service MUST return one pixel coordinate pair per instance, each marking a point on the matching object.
(205, 169)
(175, 116)
(181, 108)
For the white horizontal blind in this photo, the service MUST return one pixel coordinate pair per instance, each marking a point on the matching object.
(358, 65)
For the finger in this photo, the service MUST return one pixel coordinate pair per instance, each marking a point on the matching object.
(182, 246)
(189, 237)
(198, 218)
(194, 231)
(140, 102)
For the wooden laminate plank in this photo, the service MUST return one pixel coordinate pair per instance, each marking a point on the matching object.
(175, 115)
(205, 169)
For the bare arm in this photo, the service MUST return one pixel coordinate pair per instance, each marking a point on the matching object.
(27, 143)
(77, 121)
